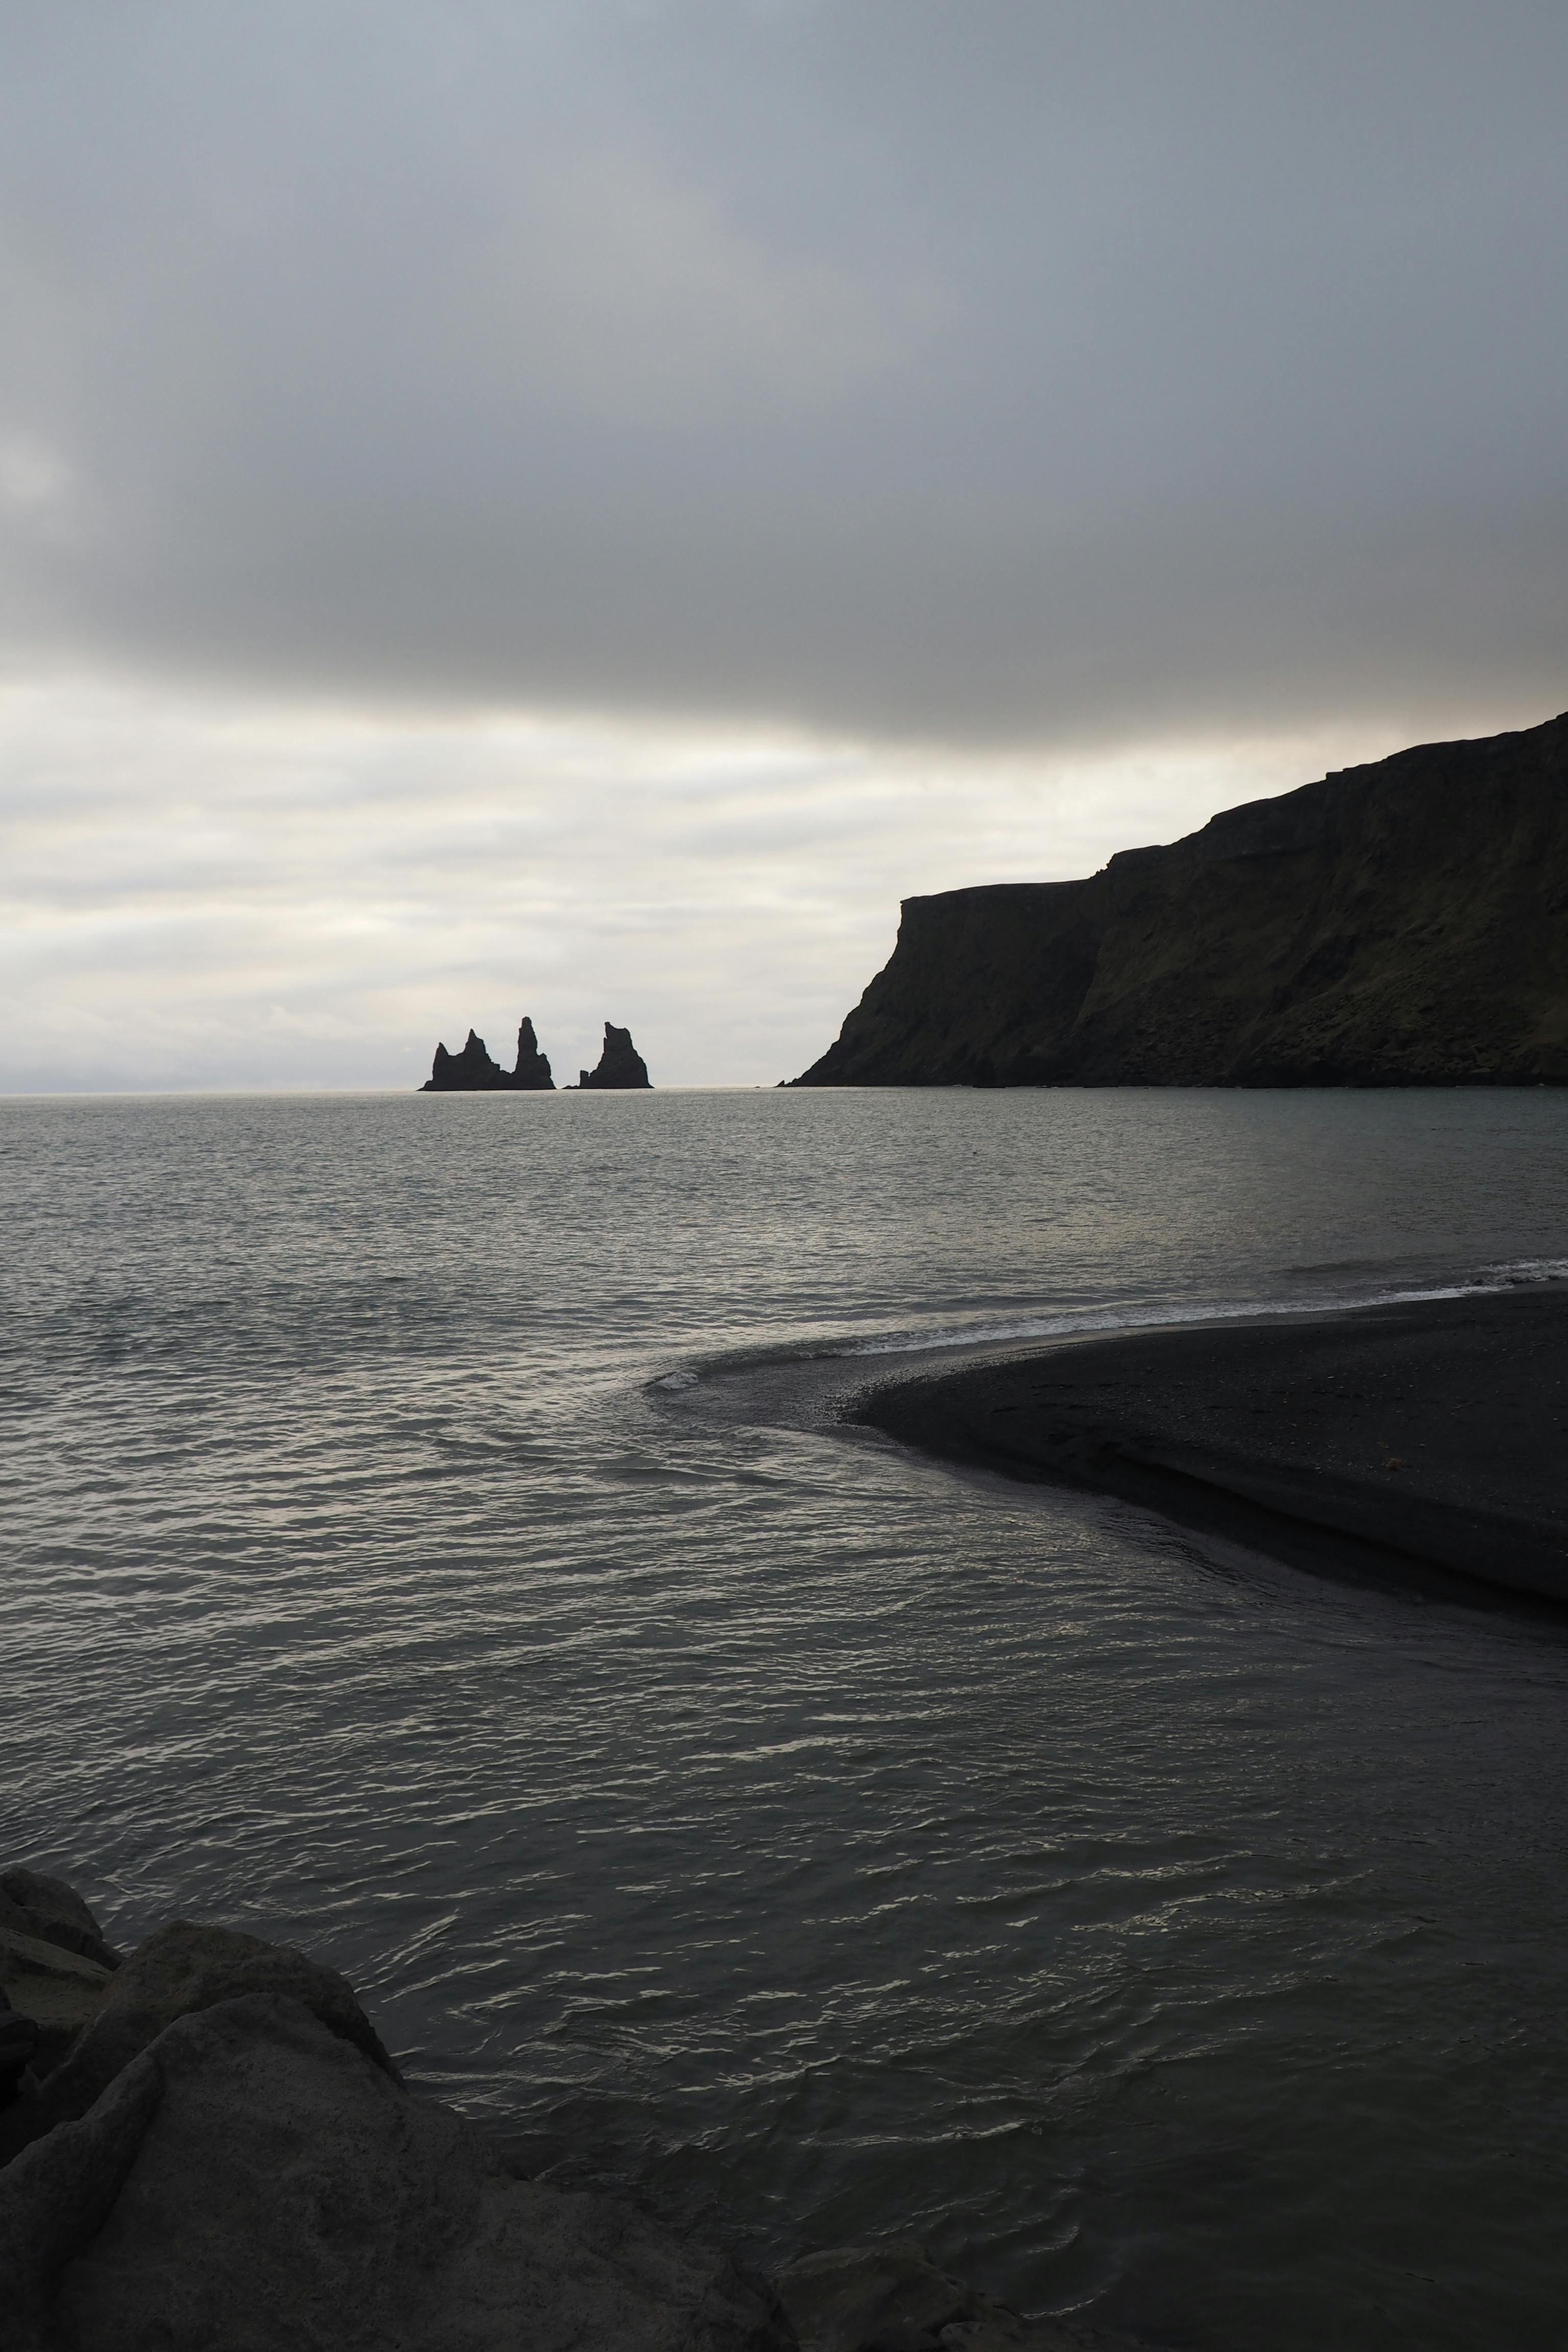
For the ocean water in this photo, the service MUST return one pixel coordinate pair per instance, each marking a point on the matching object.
(429, 1540)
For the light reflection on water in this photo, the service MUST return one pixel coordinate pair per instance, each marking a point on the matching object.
(755, 1808)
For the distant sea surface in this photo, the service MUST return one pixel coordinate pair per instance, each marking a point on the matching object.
(429, 1542)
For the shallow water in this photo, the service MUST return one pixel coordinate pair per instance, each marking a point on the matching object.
(430, 1542)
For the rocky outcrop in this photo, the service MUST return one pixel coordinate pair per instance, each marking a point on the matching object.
(18, 2047)
(227, 2156)
(55, 1967)
(57, 1990)
(619, 1065)
(890, 2297)
(182, 1968)
(251, 2179)
(34, 1904)
(472, 1071)
(1400, 924)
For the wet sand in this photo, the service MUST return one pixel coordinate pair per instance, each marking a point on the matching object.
(1431, 1438)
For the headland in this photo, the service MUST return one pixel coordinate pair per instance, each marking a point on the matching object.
(1395, 924)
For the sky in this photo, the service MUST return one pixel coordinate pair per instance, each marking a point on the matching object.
(579, 509)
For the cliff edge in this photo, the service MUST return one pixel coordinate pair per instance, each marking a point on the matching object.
(1400, 924)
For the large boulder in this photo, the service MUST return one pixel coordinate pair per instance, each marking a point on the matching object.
(54, 1962)
(182, 1968)
(254, 2181)
(18, 2047)
(57, 1990)
(32, 1903)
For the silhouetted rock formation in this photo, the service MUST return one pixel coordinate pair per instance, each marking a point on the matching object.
(532, 1074)
(469, 1072)
(620, 1063)
(473, 1072)
(1400, 924)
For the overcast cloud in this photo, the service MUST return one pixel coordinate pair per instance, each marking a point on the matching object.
(604, 499)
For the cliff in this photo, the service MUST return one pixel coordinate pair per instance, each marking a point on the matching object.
(473, 1072)
(1400, 924)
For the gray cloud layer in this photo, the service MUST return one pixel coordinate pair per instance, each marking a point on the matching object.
(974, 372)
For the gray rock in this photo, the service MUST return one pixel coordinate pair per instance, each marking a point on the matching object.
(890, 2297)
(254, 2182)
(839, 2301)
(33, 1904)
(182, 1967)
(1004, 2331)
(55, 2198)
(18, 2047)
(58, 1989)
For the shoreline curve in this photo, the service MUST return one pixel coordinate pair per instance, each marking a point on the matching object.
(1427, 1439)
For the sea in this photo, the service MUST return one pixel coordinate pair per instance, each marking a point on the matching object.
(432, 1538)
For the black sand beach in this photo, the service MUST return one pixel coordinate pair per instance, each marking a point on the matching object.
(1431, 1436)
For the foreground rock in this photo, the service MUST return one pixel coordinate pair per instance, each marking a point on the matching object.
(252, 2180)
(1396, 925)
(55, 1967)
(620, 1065)
(34, 1904)
(180, 1969)
(890, 2297)
(58, 1992)
(472, 1071)
(18, 2047)
(228, 2157)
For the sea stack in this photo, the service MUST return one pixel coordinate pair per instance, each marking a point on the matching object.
(620, 1065)
(532, 1074)
(472, 1072)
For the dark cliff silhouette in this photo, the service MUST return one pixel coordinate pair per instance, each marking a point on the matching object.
(619, 1065)
(1400, 924)
(473, 1072)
